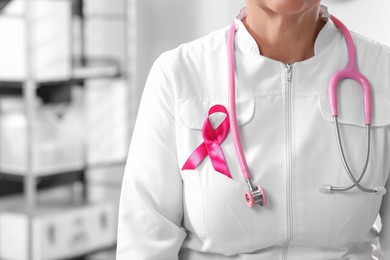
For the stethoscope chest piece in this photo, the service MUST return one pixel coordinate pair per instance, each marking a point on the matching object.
(255, 196)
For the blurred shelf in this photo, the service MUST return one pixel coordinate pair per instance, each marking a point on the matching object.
(94, 69)
(106, 253)
(105, 16)
(13, 183)
(58, 90)
(92, 166)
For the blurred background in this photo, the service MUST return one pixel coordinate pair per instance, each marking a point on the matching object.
(71, 76)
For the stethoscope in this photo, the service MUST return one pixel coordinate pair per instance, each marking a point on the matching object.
(255, 194)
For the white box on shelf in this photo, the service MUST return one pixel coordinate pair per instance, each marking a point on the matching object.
(107, 121)
(101, 192)
(105, 38)
(105, 193)
(59, 142)
(58, 232)
(51, 40)
(104, 183)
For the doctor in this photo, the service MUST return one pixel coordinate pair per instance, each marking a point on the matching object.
(177, 206)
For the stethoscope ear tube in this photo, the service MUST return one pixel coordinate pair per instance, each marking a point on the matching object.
(351, 72)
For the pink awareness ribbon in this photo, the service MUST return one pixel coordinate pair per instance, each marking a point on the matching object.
(211, 145)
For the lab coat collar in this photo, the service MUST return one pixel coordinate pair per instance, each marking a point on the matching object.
(248, 44)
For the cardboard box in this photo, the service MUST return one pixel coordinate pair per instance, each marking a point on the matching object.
(51, 40)
(58, 232)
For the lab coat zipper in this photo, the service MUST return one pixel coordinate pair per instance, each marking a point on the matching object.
(288, 162)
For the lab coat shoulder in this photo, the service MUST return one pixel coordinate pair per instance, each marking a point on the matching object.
(194, 50)
(192, 66)
(374, 62)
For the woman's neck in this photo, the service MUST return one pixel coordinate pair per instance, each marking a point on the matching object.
(286, 38)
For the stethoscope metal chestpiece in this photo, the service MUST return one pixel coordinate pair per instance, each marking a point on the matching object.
(255, 195)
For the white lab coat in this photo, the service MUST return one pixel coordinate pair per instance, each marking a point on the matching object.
(290, 145)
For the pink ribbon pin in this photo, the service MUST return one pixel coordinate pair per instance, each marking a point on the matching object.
(212, 144)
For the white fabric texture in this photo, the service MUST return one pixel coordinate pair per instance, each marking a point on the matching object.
(290, 144)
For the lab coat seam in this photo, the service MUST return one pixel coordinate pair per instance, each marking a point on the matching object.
(174, 68)
(317, 95)
(306, 96)
(203, 215)
(287, 76)
(208, 99)
(278, 94)
(166, 82)
(294, 154)
(174, 114)
(377, 95)
(284, 87)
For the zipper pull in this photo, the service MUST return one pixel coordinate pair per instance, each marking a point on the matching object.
(289, 72)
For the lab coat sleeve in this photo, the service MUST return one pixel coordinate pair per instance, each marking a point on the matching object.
(151, 204)
(384, 236)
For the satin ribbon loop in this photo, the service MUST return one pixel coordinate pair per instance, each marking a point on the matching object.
(211, 145)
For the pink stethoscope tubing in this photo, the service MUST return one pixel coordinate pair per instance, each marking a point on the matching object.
(349, 72)
(256, 194)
